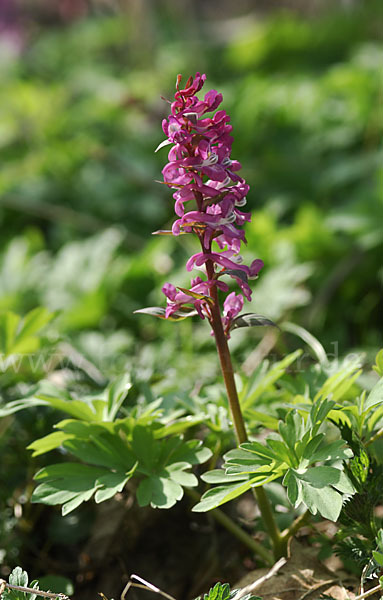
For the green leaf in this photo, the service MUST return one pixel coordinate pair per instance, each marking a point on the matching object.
(20, 578)
(158, 311)
(291, 482)
(145, 447)
(282, 452)
(112, 460)
(74, 408)
(319, 411)
(92, 409)
(177, 472)
(243, 454)
(302, 443)
(9, 322)
(116, 394)
(251, 320)
(63, 491)
(321, 476)
(32, 323)
(20, 335)
(336, 385)
(110, 484)
(344, 484)
(251, 469)
(94, 444)
(178, 426)
(310, 449)
(218, 592)
(359, 466)
(164, 463)
(195, 295)
(308, 338)
(221, 591)
(324, 500)
(379, 539)
(144, 492)
(104, 406)
(49, 395)
(266, 463)
(261, 418)
(378, 367)
(67, 469)
(293, 428)
(236, 273)
(250, 395)
(83, 429)
(160, 492)
(76, 501)
(48, 442)
(102, 450)
(320, 489)
(219, 476)
(373, 419)
(330, 451)
(220, 495)
(13, 407)
(68, 484)
(193, 452)
(375, 397)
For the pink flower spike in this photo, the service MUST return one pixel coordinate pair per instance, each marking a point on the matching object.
(202, 173)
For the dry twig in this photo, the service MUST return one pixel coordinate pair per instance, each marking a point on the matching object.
(143, 585)
(4, 585)
(248, 589)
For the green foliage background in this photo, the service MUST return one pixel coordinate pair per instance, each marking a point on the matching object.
(80, 119)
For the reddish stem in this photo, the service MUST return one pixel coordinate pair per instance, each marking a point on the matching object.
(279, 544)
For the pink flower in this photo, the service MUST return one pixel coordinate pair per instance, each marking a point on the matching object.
(199, 287)
(231, 308)
(241, 273)
(201, 171)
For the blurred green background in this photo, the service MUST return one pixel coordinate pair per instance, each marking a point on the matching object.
(80, 117)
